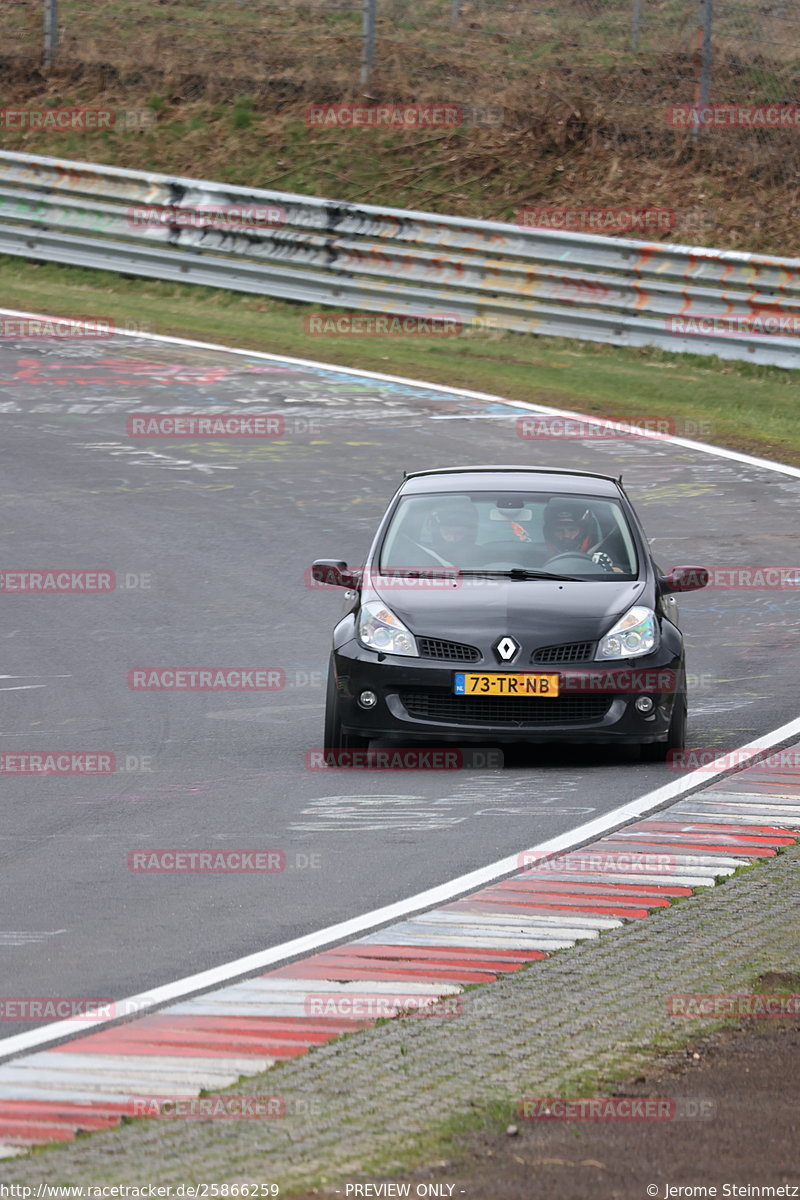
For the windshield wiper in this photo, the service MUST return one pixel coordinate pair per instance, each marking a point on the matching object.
(524, 573)
(417, 572)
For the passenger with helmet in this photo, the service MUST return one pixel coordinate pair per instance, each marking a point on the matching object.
(454, 530)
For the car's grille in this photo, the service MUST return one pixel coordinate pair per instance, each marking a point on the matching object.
(447, 651)
(572, 652)
(505, 710)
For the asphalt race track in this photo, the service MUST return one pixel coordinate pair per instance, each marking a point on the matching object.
(210, 542)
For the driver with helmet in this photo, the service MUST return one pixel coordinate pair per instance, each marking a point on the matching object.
(570, 526)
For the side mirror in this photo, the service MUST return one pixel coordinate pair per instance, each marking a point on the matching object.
(685, 579)
(334, 573)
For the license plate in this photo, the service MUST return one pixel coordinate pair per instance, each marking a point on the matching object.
(506, 683)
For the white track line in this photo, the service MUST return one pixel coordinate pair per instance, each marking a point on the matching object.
(60, 1031)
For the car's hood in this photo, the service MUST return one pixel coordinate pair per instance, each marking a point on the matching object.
(476, 610)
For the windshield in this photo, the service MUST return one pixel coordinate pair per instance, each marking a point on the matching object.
(555, 533)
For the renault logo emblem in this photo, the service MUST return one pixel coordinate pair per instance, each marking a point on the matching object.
(507, 649)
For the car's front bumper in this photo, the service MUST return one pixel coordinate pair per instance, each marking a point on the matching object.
(416, 701)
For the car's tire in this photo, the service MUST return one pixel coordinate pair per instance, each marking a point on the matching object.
(334, 738)
(676, 734)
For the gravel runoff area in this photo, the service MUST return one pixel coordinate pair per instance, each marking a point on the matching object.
(374, 1104)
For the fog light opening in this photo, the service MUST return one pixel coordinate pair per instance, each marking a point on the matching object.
(644, 704)
(367, 699)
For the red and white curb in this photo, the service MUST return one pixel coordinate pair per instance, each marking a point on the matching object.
(209, 1041)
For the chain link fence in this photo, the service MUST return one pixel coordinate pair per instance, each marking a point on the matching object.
(633, 60)
(264, 34)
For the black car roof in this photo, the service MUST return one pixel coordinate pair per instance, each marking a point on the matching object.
(531, 479)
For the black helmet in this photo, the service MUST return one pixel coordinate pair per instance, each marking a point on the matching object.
(569, 525)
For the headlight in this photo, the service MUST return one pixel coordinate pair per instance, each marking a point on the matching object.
(633, 635)
(380, 629)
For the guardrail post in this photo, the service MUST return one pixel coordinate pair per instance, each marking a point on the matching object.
(635, 22)
(50, 32)
(368, 43)
(703, 89)
(705, 59)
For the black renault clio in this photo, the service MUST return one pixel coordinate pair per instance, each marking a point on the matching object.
(508, 604)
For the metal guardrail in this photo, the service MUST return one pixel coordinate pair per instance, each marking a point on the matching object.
(394, 261)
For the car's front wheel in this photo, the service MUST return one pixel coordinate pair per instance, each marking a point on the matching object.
(334, 737)
(676, 735)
